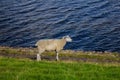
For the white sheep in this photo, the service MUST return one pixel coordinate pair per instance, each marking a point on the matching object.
(51, 44)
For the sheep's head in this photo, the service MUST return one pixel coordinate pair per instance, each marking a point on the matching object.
(67, 38)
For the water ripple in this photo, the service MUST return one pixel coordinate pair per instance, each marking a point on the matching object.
(93, 24)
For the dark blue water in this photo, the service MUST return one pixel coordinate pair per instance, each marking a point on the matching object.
(94, 25)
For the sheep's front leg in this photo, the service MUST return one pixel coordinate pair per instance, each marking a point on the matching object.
(38, 57)
(57, 58)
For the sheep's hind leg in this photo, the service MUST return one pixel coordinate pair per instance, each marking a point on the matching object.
(40, 50)
(39, 55)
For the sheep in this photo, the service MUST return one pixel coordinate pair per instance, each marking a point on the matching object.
(51, 45)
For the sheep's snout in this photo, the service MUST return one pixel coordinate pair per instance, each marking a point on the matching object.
(69, 40)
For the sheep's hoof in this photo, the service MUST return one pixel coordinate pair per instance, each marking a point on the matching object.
(38, 57)
(39, 60)
(57, 59)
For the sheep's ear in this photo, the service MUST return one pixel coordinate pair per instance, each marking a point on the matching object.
(64, 37)
(67, 36)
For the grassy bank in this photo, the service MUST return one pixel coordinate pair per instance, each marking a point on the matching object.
(25, 69)
(21, 64)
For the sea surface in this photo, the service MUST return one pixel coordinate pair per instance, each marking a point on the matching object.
(94, 25)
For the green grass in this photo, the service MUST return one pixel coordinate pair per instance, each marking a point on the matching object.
(97, 65)
(26, 69)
